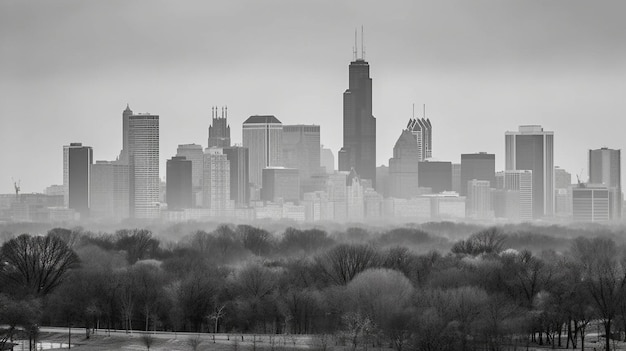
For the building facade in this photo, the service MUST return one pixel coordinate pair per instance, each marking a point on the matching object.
(263, 137)
(403, 167)
(109, 190)
(77, 162)
(301, 149)
(216, 188)
(238, 158)
(531, 148)
(219, 130)
(179, 184)
(479, 166)
(143, 153)
(436, 175)
(605, 168)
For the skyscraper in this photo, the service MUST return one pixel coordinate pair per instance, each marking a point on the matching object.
(479, 199)
(403, 167)
(359, 125)
(216, 188)
(194, 153)
(143, 153)
(479, 166)
(109, 190)
(327, 160)
(422, 129)
(123, 158)
(532, 148)
(262, 135)
(179, 189)
(77, 161)
(518, 194)
(301, 149)
(605, 168)
(280, 183)
(238, 158)
(219, 131)
(591, 203)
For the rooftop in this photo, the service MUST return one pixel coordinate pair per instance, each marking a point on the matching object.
(262, 119)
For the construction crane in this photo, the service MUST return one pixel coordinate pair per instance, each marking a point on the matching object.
(17, 187)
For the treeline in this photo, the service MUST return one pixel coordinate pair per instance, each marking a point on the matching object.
(360, 288)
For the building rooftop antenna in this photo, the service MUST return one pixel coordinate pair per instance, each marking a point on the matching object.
(17, 187)
(362, 46)
(354, 48)
(424, 113)
(413, 110)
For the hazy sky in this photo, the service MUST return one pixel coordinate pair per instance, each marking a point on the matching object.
(68, 68)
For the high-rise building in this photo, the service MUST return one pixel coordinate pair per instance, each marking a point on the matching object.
(219, 131)
(605, 168)
(179, 188)
(193, 153)
(327, 160)
(143, 153)
(479, 166)
(262, 135)
(531, 148)
(422, 129)
(301, 149)
(123, 158)
(403, 167)
(359, 125)
(109, 190)
(517, 198)
(479, 196)
(591, 203)
(382, 181)
(456, 177)
(77, 162)
(355, 199)
(562, 178)
(337, 196)
(280, 184)
(436, 175)
(216, 188)
(239, 184)
(562, 193)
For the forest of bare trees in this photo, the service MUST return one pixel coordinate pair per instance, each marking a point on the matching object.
(494, 289)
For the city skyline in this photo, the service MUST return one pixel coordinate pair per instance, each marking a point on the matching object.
(525, 79)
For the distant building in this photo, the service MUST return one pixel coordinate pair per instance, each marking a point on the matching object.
(263, 136)
(109, 190)
(605, 168)
(359, 125)
(143, 153)
(301, 149)
(516, 201)
(479, 166)
(193, 153)
(77, 161)
(447, 205)
(531, 148)
(327, 160)
(562, 178)
(456, 177)
(337, 191)
(219, 131)
(216, 188)
(436, 175)
(355, 199)
(281, 184)
(53, 190)
(238, 158)
(591, 203)
(382, 181)
(179, 191)
(403, 167)
(479, 195)
(123, 158)
(422, 129)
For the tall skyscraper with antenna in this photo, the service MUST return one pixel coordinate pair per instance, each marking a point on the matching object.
(422, 129)
(359, 125)
(219, 131)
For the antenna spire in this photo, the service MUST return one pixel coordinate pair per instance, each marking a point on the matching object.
(413, 110)
(355, 47)
(424, 111)
(362, 46)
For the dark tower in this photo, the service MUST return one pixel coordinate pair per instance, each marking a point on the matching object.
(219, 131)
(359, 126)
(123, 158)
(179, 194)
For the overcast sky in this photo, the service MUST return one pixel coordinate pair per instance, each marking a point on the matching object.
(68, 68)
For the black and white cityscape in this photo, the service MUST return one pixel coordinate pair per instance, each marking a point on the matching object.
(328, 175)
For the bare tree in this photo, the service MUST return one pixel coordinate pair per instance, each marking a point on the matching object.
(217, 315)
(343, 262)
(36, 264)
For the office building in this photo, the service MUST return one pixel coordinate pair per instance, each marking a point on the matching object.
(219, 130)
(605, 168)
(517, 195)
(479, 203)
(359, 125)
(383, 185)
(562, 178)
(591, 203)
(216, 177)
(123, 158)
(77, 162)
(456, 177)
(263, 137)
(109, 190)
(337, 191)
(238, 158)
(422, 129)
(436, 175)
(479, 166)
(301, 149)
(179, 184)
(327, 160)
(281, 184)
(403, 167)
(355, 200)
(531, 148)
(143, 153)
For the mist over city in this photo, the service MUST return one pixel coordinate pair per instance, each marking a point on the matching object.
(331, 175)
